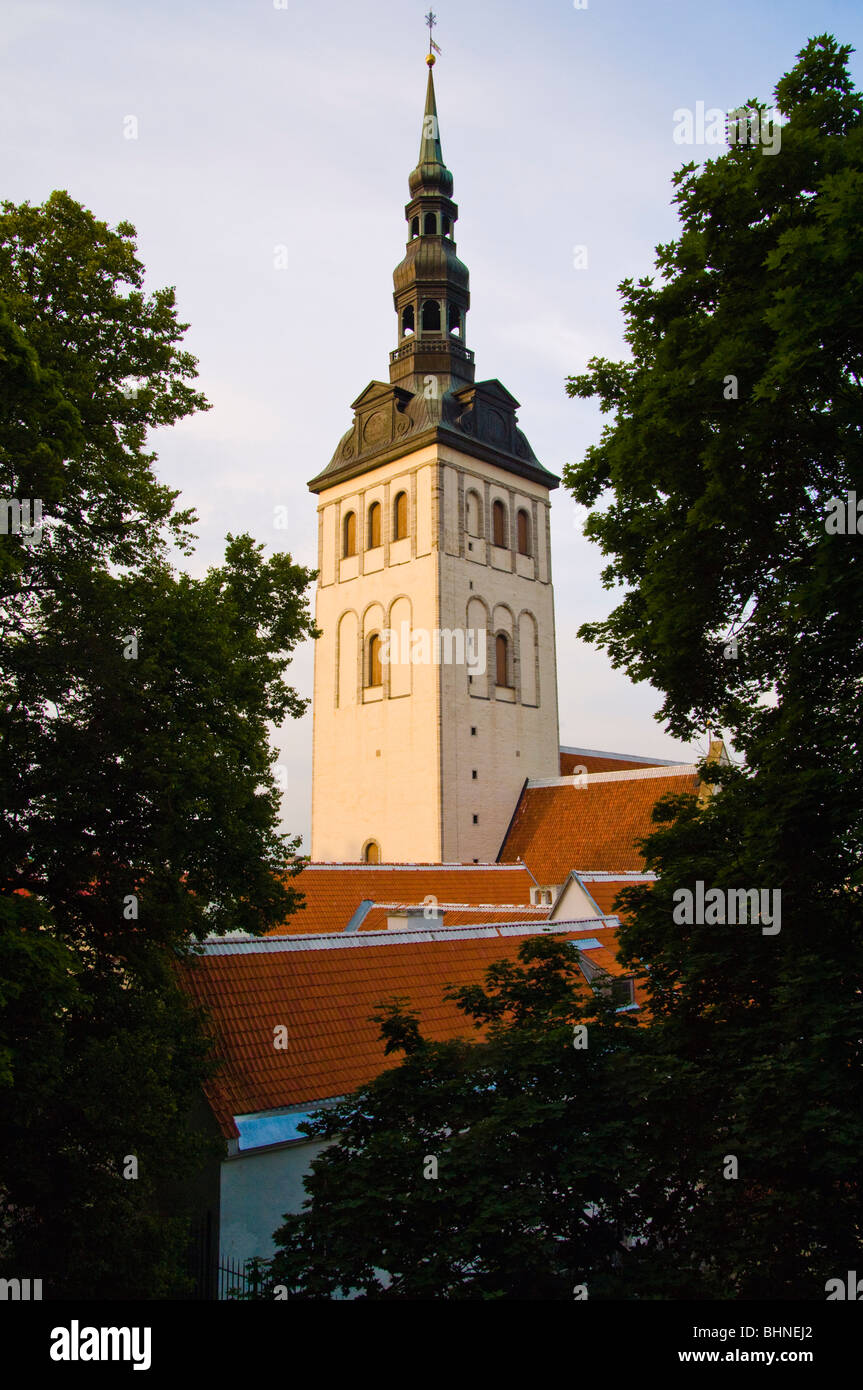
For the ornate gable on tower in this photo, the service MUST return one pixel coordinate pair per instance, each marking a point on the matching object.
(478, 418)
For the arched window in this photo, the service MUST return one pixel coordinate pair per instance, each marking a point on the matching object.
(431, 316)
(501, 653)
(374, 669)
(446, 226)
(498, 520)
(374, 525)
(408, 321)
(454, 320)
(473, 514)
(523, 532)
(431, 223)
(349, 535)
(371, 852)
(415, 227)
(400, 516)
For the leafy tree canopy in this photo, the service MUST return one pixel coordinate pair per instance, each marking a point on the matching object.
(139, 805)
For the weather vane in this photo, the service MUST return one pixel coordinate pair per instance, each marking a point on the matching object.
(431, 21)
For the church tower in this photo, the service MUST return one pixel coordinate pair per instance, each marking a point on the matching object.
(435, 690)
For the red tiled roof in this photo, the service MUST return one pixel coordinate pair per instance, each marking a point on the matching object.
(560, 826)
(594, 762)
(324, 992)
(333, 892)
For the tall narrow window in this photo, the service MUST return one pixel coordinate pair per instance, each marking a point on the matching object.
(375, 670)
(408, 321)
(400, 516)
(374, 525)
(454, 320)
(498, 519)
(431, 316)
(372, 852)
(349, 535)
(501, 651)
(431, 223)
(415, 227)
(523, 533)
(473, 514)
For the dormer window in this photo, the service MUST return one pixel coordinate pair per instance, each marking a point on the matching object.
(542, 897)
(622, 993)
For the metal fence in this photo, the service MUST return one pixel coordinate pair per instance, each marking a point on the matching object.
(240, 1279)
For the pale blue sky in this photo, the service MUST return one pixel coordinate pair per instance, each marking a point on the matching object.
(261, 127)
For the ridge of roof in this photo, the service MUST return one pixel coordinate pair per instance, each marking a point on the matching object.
(619, 757)
(633, 774)
(372, 868)
(464, 907)
(616, 876)
(334, 941)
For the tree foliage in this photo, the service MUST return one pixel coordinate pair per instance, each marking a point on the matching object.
(737, 418)
(717, 528)
(139, 806)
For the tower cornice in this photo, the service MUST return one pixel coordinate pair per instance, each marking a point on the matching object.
(390, 421)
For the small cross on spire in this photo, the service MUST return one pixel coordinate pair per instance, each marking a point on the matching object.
(431, 21)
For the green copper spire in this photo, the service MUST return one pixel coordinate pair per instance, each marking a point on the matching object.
(431, 174)
(431, 285)
(432, 396)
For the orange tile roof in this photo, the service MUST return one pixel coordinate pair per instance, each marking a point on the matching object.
(333, 892)
(559, 826)
(324, 990)
(593, 763)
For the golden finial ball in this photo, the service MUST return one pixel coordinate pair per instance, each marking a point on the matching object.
(430, 60)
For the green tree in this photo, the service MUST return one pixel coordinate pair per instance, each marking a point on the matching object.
(736, 423)
(737, 419)
(139, 806)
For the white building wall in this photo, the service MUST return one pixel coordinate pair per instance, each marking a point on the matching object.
(396, 764)
(376, 762)
(516, 731)
(257, 1189)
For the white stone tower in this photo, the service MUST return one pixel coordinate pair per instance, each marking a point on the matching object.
(435, 679)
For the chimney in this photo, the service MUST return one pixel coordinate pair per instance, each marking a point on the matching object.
(414, 918)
